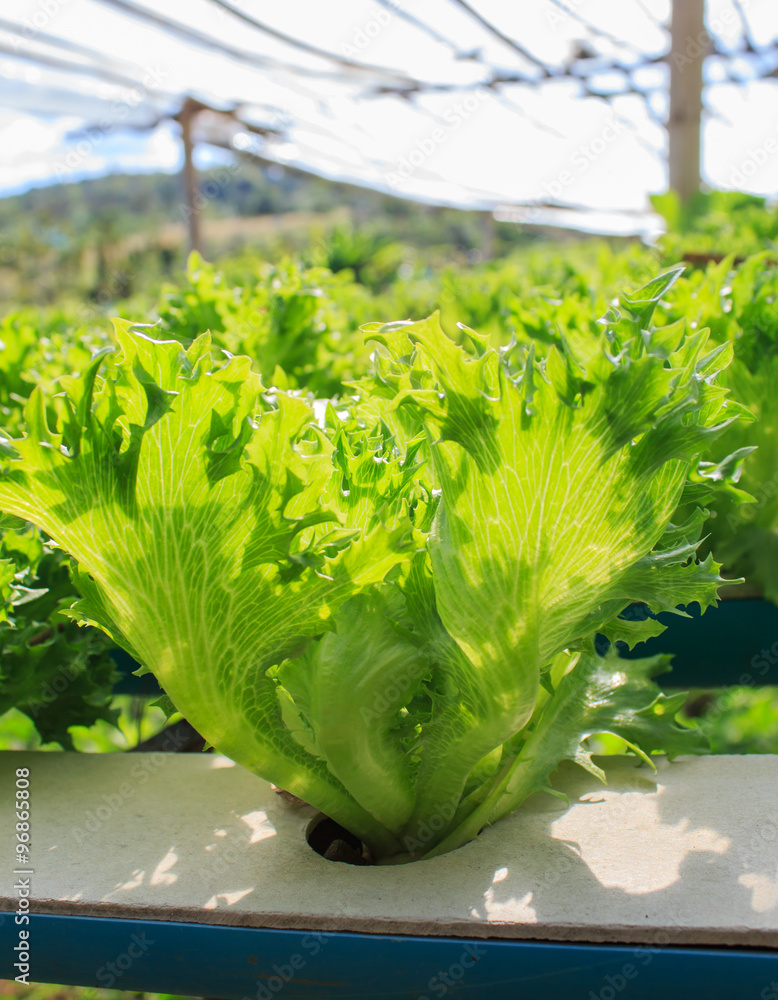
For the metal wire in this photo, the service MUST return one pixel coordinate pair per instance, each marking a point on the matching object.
(304, 46)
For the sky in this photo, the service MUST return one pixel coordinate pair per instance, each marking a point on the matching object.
(466, 145)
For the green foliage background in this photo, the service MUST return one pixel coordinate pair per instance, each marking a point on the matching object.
(295, 303)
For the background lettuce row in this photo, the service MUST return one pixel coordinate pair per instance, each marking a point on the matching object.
(390, 612)
(49, 668)
(740, 306)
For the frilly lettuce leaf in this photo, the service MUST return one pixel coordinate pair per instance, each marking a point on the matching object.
(596, 696)
(740, 305)
(192, 506)
(391, 611)
(562, 487)
(50, 670)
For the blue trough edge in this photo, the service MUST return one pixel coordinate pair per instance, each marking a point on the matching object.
(733, 643)
(242, 962)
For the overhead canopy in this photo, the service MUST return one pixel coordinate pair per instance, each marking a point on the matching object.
(478, 104)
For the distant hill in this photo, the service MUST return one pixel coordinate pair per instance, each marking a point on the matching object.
(137, 201)
(71, 238)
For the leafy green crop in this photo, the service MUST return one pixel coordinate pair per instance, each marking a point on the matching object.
(391, 612)
(52, 671)
(49, 668)
(305, 321)
(715, 223)
(286, 317)
(740, 305)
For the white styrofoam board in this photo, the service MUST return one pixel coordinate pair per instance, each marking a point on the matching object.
(687, 857)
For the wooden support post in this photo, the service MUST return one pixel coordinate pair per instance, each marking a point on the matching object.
(689, 46)
(188, 112)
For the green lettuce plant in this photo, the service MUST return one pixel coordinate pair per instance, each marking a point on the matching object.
(740, 306)
(282, 316)
(390, 612)
(50, 670)
(716, 223)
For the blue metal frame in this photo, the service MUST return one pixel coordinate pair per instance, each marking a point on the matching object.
(727, 646)
(733, 643)
(242, 963)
